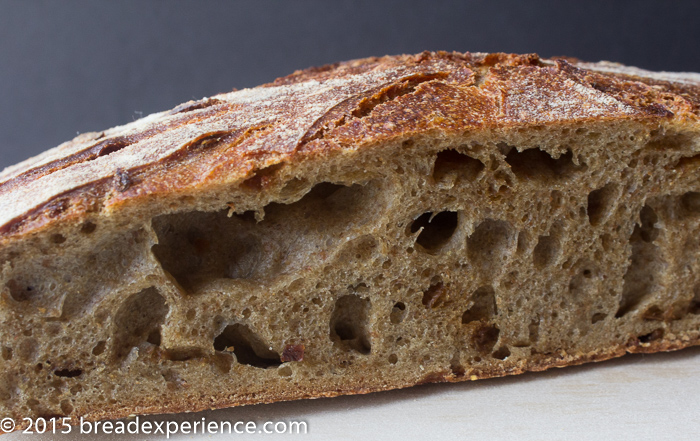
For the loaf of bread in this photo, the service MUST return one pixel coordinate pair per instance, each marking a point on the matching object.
(363, 226)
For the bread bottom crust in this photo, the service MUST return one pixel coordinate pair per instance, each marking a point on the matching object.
(538, 364)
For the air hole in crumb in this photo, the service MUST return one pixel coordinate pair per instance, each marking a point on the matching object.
(485, 337)
(523, 241)
(534, 330)
(642, 277)
(6, 353)
(248, 347)
(653, 313)
(546, 251)
(349, 323)
(453, 163)
(694, 306)
(66, 407)
(540, 165)
(600, 203)
(99, 348)
(137, 319)
(21, 292)
(690, 203)
(88, 228)
(154, 337)
(436, 295)
(197, 247)
(557, 199)
(68, 373)
(502, 353)
(484, 306)
(656, 334)
(435, 230)
(490, 243)
(647, 230)
(606, 241)
(393, 358)
(398, 313)
(58, 238)
(598, 317)
(456, 365)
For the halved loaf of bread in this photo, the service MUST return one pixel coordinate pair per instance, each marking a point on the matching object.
(363, 226)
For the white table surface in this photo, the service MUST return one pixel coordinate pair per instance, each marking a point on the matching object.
(637, 397)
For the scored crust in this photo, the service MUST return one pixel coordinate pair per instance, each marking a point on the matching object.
(304, 114)
(273, 157)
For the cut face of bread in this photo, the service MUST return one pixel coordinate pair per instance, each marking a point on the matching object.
(364, 226)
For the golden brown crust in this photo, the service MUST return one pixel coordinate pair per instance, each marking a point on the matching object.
(224, 139)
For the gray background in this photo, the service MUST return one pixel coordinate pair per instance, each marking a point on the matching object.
(77, 66)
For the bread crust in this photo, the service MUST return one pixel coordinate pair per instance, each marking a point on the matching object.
(227, 138)
(538, 364)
